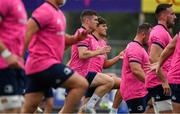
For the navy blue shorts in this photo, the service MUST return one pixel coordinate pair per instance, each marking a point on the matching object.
(52, 77)
(157, 93)
(137, 105)
(90, 76)
(12, 81)
(48, 93)
(175, 92)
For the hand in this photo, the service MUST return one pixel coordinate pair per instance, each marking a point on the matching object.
(154, 66)
(81, 35)
(103, 50)
(166, 88)
(121, 55)
(15, 61)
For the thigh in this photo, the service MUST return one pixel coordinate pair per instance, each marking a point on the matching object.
(117, 80)
(100, 79)
(33, 99)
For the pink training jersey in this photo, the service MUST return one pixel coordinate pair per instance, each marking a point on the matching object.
(12, 27)
(131, 87)
(160, 36)
(94, 64)
(174, 71)
(47, 45)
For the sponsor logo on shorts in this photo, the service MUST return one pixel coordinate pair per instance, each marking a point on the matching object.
(129, 109)
(58, 81)
(173, 97)
(140, 108)
(67, 71)
(8, 89)
(158, 97)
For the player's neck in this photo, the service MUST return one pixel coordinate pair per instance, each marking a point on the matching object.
(53, 2)
(138, 39)
(162, 23)
(97, 35)
(85, 26)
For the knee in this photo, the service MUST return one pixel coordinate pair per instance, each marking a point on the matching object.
(29, 107)
(83, 83)
(110, 82)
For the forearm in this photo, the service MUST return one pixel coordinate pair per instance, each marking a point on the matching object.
(110, 62)
(88, 54)
(140, 75)
(168, 51)
(27, 41)
(161, 76)
(70, 40)
(165, 55)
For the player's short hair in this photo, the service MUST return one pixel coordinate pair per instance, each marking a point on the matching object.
(101, 20)
(160, 8)
(87, 13)
(144, 28)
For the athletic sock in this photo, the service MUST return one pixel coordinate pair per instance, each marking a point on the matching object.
(93, 100)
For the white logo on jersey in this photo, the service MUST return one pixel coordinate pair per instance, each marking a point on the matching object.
(19, 8)
(8, 89)
(60, 33)
(67, 71)
(23, 21)
(58, 21)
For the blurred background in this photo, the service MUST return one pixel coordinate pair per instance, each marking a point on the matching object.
(123, 17)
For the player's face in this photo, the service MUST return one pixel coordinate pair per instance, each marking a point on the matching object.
(146, 38)
(93, 21)
(170, 18)
(102, 30)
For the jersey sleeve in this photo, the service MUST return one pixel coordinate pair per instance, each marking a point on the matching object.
(134, 56)
(42, 17)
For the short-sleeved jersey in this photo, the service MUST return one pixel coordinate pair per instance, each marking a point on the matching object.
(131, 87)
(159, 36)
(93, 64)
(48, 44)
(174, 71)
(12, 27)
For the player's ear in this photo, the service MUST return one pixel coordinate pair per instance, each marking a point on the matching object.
(143, 34)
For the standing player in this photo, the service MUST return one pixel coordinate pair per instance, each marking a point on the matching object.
(46, 36)
(84, 61)
(134, 70)
(159, 39)
(174, 71)
(13, 20)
